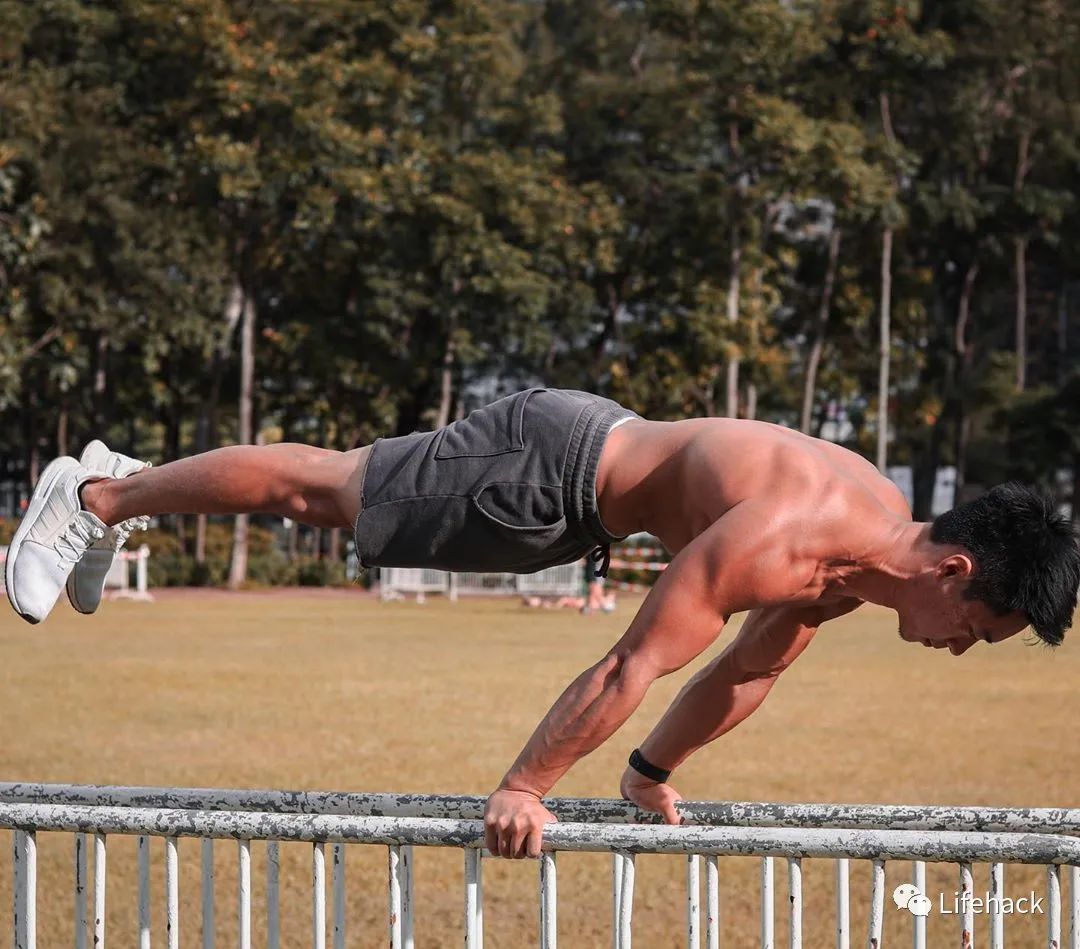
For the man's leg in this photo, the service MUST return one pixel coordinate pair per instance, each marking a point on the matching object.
(315, 486)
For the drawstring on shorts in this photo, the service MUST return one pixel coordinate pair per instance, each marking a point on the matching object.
(600, 555)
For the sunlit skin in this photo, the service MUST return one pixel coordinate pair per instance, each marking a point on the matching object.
(760, 519)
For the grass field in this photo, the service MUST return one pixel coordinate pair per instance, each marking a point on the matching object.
(333, 690)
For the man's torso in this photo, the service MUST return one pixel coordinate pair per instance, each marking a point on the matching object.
(677, 479)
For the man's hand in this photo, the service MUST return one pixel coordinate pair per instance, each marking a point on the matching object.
(514, 824)
(650, 795)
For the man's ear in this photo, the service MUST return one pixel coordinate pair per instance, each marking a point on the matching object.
(956, 566)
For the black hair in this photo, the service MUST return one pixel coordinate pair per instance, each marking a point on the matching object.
(1027, 555)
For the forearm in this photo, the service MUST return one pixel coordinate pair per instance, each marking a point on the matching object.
(711, 704)
(589, 712)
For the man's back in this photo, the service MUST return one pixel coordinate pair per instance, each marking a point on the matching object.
(676, 479)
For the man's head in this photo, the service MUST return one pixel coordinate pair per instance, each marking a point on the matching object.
(1000, 563)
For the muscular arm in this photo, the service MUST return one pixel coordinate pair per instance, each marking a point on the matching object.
(734, 684)
(736, 565)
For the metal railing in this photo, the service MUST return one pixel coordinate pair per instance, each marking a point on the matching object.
(793, 832)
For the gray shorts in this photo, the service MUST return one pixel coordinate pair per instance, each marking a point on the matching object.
(510, 488)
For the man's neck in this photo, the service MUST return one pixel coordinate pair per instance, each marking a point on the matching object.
(904, 554)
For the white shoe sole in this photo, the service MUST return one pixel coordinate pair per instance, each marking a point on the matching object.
(41, 490)
(73, 597)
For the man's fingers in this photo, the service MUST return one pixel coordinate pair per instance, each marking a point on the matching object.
(533, 842)
(491, 839)
(671, 816)
(517, 842)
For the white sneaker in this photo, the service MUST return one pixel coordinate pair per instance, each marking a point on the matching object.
(52, 538)
(86, 584)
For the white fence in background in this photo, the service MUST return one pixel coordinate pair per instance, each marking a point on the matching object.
(397, 582)
(118, 579)
(879, 834)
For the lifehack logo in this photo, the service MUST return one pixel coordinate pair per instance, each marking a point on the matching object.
(910, 897)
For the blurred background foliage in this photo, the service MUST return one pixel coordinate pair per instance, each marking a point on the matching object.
(325, 222)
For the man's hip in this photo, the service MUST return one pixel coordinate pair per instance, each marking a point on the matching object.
(509, 488)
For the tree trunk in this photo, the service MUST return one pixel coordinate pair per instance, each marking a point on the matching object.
(335, 544)
(962, 429)
(732, 400)
(1020, 265)
(814, 357)
(885, 344)
(62, 428)
(206, 430)
(750, 409)
(924, 471)
(1063, 334)
(735, 263)
(446, 383)
(238, 566)
(101, 367)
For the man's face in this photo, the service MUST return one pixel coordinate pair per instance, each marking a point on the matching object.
(937, 614)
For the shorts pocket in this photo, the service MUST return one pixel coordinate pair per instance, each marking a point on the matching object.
(492, 430)
(521, 507)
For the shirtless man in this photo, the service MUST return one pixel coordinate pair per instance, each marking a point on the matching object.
(795, 530)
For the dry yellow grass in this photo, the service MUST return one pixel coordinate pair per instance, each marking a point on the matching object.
(338, 691)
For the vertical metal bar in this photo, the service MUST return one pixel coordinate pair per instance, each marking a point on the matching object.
(318, 895)
(1074, 907)
(473, 935)
(172, 893)
(843, 904)
(273, 891)
(794, 902)
(967, 908)
(997, 918)
(81, 919)
(548, 901)
(144, 892)
(1053, 906)
(616, 896)
(18, 885)
(877, 904)
(712, 903)
(693, 901)
(99, 890)
(338, 884)
(206, 891)
(767, 903)
(918, 923)
(25, 889)
(407, 897)
(626, 900)
(394, 891)
(243, 894)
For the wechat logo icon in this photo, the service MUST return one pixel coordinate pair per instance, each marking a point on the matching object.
(910, 897)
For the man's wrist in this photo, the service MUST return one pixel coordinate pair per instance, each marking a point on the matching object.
(647, 769)
(520, 786)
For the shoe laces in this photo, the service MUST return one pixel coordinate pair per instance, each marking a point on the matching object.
(73, 540)
(123, 530)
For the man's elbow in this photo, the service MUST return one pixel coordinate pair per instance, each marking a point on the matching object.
(745, 673)
(628, 672)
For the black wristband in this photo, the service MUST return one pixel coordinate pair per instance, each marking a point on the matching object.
(650, 771)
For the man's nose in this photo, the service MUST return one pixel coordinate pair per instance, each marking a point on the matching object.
(959, 646)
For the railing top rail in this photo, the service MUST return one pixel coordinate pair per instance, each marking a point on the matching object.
(941, 846)
(576, 810)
